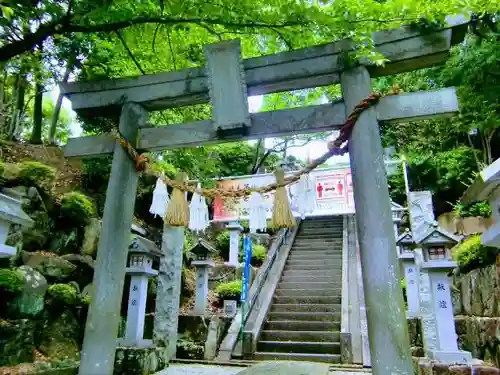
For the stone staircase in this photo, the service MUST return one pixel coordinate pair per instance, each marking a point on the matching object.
(304, 319)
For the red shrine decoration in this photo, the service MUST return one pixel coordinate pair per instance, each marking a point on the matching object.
(340, 187)
(319, 189)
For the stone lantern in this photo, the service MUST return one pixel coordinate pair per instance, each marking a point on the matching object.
(11, 213)
(436, 310)
(406, 246)
(203, 262)
(397, 215)
(142, 252)
(234, 229)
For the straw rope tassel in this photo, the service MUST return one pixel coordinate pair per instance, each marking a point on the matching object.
(282, 213)
(178, 209)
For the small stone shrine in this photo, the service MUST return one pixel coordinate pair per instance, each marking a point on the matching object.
(142, 252)
(405, 246)
(11, 213)
(202, 251)
(436, 310)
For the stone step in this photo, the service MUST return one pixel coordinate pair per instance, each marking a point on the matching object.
(323, 251)
(306, 249)
(299, 347)
(308, 262)
(311, 285)
(313, 316)
(313, 267)
(321, 231)
(327, 358)
(316, 238)
(334, 278)
(299, 325)
(308, 299)
(306, 308)
(316, 244)
(300, 336)
(321, 225)
(309, 254)
(328, 232)
(313, 272)
(330, 292)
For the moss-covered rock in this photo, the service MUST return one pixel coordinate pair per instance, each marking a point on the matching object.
(11, 284)
(17, 341)
(91, 237)
(29, 303)
(139, 361)
(50, 265)
(84, 272)
(63, 294)
(36, 237)
(65, 241)
(77, 208)
(60, 336)
(33, 173)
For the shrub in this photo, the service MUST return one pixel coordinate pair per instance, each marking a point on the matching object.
(271, 230)
(77, 208)
(259, 253)
(471, 254)
(475, 209)
(63, 293)
(34, 173)
(230, 290)
(11, 281)
(222, 242)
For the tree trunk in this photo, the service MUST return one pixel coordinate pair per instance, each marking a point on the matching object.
(57, 108)
(21, 83)
(3, 105)
(478, 163)
(36, 133)
(488, 147)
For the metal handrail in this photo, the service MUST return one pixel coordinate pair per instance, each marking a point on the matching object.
(263, 272)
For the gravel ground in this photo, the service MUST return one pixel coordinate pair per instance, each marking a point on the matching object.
(183, 369)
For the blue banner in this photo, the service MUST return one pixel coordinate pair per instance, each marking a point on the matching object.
(247, 256)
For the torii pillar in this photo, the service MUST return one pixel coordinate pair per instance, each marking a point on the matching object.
(101, 330)
(385, 309)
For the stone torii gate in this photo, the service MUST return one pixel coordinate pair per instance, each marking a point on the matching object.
(225, 82)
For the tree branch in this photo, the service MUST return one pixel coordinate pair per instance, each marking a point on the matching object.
(130, 52)
(63, 26)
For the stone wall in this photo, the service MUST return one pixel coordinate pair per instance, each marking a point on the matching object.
(477, 293)
(424, 366)
(200, 337)
(478, 335)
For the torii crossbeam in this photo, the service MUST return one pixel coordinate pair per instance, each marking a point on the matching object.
(226, 82)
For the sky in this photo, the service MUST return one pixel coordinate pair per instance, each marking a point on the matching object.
(312, 150)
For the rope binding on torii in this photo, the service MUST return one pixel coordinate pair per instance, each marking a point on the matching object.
(339, 146)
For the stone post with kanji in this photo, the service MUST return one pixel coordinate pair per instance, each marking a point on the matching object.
(411, 271)
(438, 323)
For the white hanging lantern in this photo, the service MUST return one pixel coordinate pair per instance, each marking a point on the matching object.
(257, 208)
(160, 199)
(198, 213)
